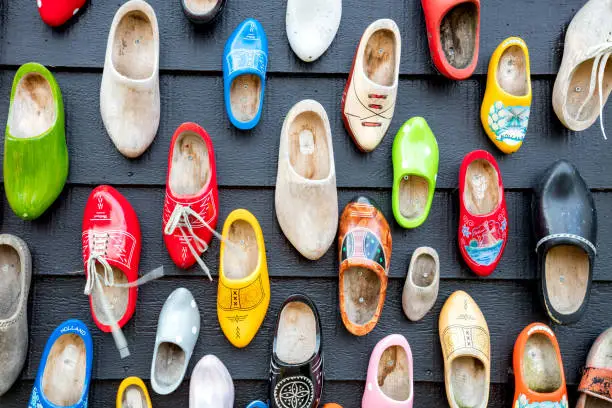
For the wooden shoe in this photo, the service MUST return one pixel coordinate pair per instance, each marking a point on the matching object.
(422, 283)
(211, 385)
(129, 94)
(64, 373)
(364, 249)
(296, 370)
(306, 199)
(466, 349)
(415, 170)
(312, 26)
(584, 80)
(390, 380)
(35, 152)
(565, 225)
(257, 404)
(133, 393)
(332, 405)
(203, 11)
(244, 286)
(368, 101)
(483, 217)
(595, 387)
(507, 101)
(15, 275)
(453, 31)
(538, 369)
(57, 12)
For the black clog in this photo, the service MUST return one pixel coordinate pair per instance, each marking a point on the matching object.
(565, 223)
(202, 11)
(296, 371)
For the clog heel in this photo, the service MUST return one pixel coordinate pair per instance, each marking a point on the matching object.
(133, 393)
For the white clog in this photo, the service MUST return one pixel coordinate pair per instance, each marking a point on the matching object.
(211, 385)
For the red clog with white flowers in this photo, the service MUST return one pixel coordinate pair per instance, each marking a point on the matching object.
(191, 207)
(483, 217)
(57, 12)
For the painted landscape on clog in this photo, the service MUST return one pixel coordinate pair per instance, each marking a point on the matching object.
(523, 402)
(484, 242)
(509, 123)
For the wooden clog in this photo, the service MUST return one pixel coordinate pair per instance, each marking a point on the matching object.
(332, 405)
(311, 26)
(596, 383)
(466, 349)
(57, 12)
(211, 385)
(422, 283)
(538, 369)
(133, 393)
(483, 217)
(35, 152)
(507, 101)
(364, 250)
(203, 11)
(244, 285)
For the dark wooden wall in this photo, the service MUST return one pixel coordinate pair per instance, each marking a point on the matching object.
(192, 90)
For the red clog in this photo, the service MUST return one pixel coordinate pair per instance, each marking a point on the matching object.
(57, 12)
(191, 207)
(483, 217)
(453, 31)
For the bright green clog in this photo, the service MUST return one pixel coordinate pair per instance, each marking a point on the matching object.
(35, 152)
(415, 169)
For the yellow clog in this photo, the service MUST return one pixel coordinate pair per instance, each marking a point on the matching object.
(244, 286)
(133, 393)
(507, 100)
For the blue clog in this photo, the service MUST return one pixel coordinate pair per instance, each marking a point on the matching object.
(245, 60)
(64, 372)
(257, 404)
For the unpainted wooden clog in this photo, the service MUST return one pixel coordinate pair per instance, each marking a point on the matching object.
(211, 385)
(203, 11)
(422, 283)
(306, 199)
(133, 393)
(596, 383)
(57, 12)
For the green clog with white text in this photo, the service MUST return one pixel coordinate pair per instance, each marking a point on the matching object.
(35, 152)
(415, 170)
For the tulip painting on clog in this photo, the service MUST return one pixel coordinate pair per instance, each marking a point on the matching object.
(57, 12)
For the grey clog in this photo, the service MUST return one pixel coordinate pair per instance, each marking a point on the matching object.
(211, 385)
(422, 283)
(177, 333)
(15, 276)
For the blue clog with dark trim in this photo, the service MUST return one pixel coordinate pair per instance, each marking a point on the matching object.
(245, 61)
(64, 372)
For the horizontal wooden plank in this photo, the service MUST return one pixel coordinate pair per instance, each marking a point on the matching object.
(82, 43)
(250, 159)
(507, 305)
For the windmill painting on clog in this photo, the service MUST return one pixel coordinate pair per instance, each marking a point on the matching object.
(507, 101)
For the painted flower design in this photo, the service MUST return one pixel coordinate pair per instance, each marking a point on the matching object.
(466, 231)
(509, 123)
(523, 402)
(504, 224)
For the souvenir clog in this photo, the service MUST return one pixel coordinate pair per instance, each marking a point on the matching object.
(15, 275)
(483, 217)
(422, 283)
(133, 393)
(257, 404)
(364, 251)
(191, 206)
(64, 372)
(565, 225)
(297, 367)
(211, 385)
(390, 381)
(507, 101)
(245, 61)
(203, 11)
(311, 26)
(35, 152)
(129, 94)
(306, 199)
(332, 405)
(584, 80)
(178, 329)
(538, 369)
(466, 348)
(453, 32)
(369, 97)
(595, 388)
(415, 170)
(57, 12)
(244, 286)
(111, 253)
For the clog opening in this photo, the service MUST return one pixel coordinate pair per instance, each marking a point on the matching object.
(512, 71)
(540, 368)
(33, 109)
(296, 338)
(424, 270)
(117, 297)
(413, 196)
(379, 58)
(64, 377)
(394, 374)
(134, 48)
(190, 170)
(567, 277)
(245, 93)
(481, 194)
(308, 149)
(134, 397)
(458, 34)
(10, 276)
(468, 382)
(242, 234)
(200, 7)
(579, 105)
(361, 294)
(169, 365)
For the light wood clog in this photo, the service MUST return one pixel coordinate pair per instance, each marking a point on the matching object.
(596, 383)
(422, 283)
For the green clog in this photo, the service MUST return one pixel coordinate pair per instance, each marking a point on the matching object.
(35, 152)
(415, 169)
